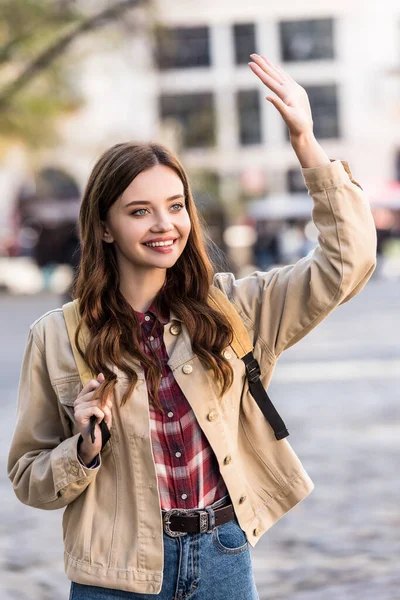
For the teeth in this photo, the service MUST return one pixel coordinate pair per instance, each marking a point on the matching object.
(153, 244)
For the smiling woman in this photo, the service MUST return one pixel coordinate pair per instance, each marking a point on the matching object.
(189, 473)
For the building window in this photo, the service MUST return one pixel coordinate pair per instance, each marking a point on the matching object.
(295, 182)
(324, 107)
(249, 117)
(245, 42)
(194, 113)
(306, 40)
(182, 47)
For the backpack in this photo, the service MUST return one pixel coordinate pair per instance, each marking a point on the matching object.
(240, 344)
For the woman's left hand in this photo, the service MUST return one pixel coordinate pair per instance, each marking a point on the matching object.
(291, 99)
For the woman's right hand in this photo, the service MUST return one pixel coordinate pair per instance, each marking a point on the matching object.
(84, 408)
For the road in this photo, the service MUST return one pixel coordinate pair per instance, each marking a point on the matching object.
(338, 392)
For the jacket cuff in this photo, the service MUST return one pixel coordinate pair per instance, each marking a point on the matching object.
(321, 178)
(66, 466)
(92, 465)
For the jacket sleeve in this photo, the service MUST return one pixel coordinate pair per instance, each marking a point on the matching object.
(284, 304)
(43, 465)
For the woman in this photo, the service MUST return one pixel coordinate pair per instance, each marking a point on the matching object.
(192, 475)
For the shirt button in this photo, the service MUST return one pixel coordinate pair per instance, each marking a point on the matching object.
(228, 459)
(227, 354)
(147, 318)
(242, 499)
(175, 329)
(212, 415)
(151, 338)
(178, 454)
(184, 496)
(256, 531)
(170, 414)
(187, 369)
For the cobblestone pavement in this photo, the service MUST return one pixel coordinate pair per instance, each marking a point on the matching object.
(338, 391)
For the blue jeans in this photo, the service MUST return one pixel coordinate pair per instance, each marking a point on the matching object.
(198, 566)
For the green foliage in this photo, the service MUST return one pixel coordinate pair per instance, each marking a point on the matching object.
(37, 81)
(27, 27)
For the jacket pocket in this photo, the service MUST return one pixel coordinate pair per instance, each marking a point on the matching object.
(67, 391)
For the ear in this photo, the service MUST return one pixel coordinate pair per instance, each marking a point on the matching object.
(107, 237)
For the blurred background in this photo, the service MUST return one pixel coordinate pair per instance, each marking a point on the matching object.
(78, 76)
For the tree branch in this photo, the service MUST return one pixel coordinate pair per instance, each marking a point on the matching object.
(48, 55)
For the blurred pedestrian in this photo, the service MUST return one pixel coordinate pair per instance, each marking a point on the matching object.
(192, 475)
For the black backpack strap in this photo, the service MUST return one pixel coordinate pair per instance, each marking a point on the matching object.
(261, 397)
(105, 432)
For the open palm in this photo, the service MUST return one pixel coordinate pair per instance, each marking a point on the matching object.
(291, 99)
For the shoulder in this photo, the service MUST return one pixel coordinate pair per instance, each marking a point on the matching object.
(51, 320)
(50, 332)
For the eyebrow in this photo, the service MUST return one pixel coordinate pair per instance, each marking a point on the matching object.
(135, 202)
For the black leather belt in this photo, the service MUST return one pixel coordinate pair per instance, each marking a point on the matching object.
(180, 521)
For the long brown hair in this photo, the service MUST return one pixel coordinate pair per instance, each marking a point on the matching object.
(113, 327)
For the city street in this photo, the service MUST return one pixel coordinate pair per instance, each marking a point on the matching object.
(338, 392)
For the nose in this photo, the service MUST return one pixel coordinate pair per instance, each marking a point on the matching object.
(162, 222)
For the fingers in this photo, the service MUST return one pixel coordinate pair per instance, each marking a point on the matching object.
(265, 69)
(85, 397)
(266, 79)
(278, 103)
(89, 402)
(83, 414)
(283, 75)
(91, 385)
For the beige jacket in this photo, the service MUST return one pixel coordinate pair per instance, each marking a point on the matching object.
(112, 523)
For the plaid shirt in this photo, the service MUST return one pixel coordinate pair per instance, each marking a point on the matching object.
(187, 469)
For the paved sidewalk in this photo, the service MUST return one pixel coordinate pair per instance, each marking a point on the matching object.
(338, 391)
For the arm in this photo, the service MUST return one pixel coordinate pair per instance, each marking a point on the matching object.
(284, 304)
(43, 465)
(281, 306)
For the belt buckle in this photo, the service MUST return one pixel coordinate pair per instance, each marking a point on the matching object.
(204, 521)
(167, 522)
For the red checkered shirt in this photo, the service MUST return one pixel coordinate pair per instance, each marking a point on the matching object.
(187, 469)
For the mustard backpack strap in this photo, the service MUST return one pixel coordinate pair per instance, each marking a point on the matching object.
(243, 348)
(241, 343)
(72, 318)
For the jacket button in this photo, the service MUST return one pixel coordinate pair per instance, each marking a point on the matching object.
(256, 531)
(175, 329)
(187, 369)
(227, 354)
(212, 415)
(74, 470)
(228, 459)
(242, 499)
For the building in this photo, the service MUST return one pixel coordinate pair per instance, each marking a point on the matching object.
(182, 78)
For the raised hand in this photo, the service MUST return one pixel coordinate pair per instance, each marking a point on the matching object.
(291, 99)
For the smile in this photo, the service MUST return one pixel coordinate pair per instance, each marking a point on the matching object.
(154, 244)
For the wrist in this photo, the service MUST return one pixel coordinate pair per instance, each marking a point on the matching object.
(308, 151)
(86, 452)
(302, 139)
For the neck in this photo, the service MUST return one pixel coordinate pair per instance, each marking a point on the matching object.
(140, 288)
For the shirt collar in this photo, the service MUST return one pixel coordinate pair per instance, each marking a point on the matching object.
(157, 309)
